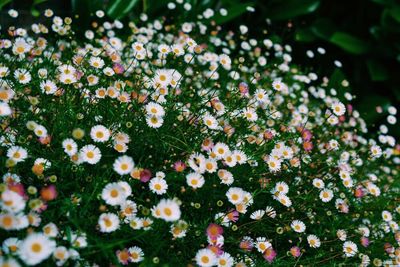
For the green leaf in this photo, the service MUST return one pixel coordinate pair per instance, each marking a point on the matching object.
(233, 12)
(381, 2)
(155, 8)
(3, 3)
(336, 79)
(395, 13)
(37, 2)
(388, 22)
(395, 90)
(35, 12)
(292, 8)
(349, 43)
(367, 106)
(377, 71)
(376, 32)
(119, 8)
(305, 35)
(205, 3)
(323, 28)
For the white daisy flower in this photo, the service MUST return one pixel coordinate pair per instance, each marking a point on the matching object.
(338, 108)
(61, 255)
(108, 222)
(136, 254)
(326, 195)
(318, 183)
(67, 78)
(5, 109)
(373, 189)
(158, 186)
(350, 249)
(40, 131)
(22, 76)
(90, 154)
(50, 230)
(162, 77)
(225, 176)
(333, 120)
(138, 47)
(48, 87)
(278, 85)
(154, 109)
(235, 195)
(211, 165)
(298, 226)
(195, 180)
(43, 162)
(177, 49)
(341, 234)
(348, 182)
(11, 245)
(92, 79)
(135, 223)
(12, 201)
(313, 241)
(344, 175)
(287, 152)
(220, 150)
(205, 258)
(11, 178)
(274, 164)
(240, 156)
(376, 151)
(197, 162)
(66, 69)
(35, 248)
(210, 122)
(225, 61)
(9, 262)
(257, 215)
(281, 187)
(284, 200)
(230, 160)
(154, 121)
(164, 49)
(167, 210)
(114, 194)
(70, 147)
(9, 221)
(96, 62)
(387, 216)
(99, 133)
(78, 241)
(270, 212)
(121, 137)
(20, 46)
(128, 209)
(123, 165)
(250, 114)
(262, 244)
(17, 153)
(333, 144)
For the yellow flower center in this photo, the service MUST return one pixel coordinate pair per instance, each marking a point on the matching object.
(36, 247)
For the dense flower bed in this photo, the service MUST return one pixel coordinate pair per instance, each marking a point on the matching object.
(183, 144)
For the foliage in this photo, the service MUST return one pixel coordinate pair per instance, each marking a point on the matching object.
(175, 136)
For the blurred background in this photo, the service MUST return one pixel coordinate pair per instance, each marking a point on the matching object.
(364, 35)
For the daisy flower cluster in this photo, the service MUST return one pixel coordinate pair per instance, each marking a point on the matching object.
(168, 143)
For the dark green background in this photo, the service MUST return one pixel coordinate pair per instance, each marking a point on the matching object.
(363, 34)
